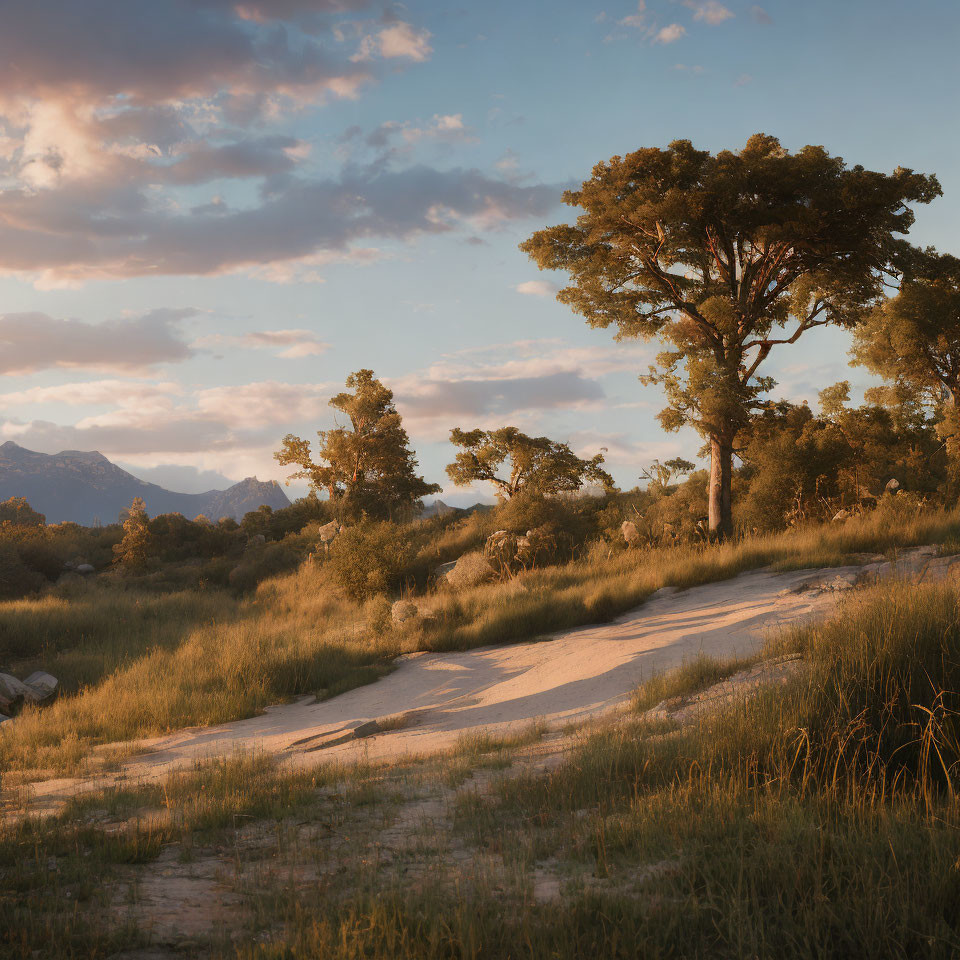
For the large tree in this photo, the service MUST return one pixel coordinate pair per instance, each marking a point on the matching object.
(913, 341)
(535, 464)
(724, 258)
(366, 468)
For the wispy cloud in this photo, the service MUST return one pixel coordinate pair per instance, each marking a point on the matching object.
(709, 11)
(289, 344)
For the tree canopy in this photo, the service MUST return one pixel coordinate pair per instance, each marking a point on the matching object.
(536, 464)
(366, 468)
(723, 258)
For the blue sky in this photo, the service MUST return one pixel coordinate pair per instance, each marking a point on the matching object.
(211, 212)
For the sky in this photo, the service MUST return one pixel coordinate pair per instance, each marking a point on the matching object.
(212, 211)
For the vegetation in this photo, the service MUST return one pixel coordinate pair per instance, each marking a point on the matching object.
(537, 464)
(724, 258)
(817, 819)
(368, 469)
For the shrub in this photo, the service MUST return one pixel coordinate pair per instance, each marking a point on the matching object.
(371, 558)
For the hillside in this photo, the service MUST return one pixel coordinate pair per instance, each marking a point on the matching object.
(87, 488)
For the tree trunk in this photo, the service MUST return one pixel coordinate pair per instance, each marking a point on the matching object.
(721, 475)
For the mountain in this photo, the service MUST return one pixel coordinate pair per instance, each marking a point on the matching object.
(88, 488)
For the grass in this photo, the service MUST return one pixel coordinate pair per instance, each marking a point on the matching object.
(136, 666)
(819, 819)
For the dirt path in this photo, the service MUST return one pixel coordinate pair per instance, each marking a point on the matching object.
(577, 675)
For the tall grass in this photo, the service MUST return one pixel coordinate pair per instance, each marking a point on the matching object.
(140, 665)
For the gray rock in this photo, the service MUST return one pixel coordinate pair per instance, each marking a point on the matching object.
(85, 568)
(13, 693)
(42, 686)
(893, 485)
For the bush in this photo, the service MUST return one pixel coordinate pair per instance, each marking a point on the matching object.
(371, 558)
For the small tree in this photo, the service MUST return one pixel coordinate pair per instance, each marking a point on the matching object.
(536, 464)
(660, 476)
(724, 258)
(133, 550)
(368, 467)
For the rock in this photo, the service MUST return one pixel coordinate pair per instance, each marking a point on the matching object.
(38, 688)
(470, 570)
(893, 486)
(841, 515)
(329, 531)
(630, 532)
(403, 610)
(846, 581)
(85, 568)
(367, 729)
(13, 693)
(42, 686)
(444, 569)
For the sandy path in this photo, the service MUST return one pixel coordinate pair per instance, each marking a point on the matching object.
(577, 675)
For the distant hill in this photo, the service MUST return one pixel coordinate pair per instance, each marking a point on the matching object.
(87, 488)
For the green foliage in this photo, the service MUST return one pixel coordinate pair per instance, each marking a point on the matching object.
(724, 258)
(538, 464)
(798, 466)
(370, 558)
(368, 468)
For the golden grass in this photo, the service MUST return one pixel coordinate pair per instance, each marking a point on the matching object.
(138, 666)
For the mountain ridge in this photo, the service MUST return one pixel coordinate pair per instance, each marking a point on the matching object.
(85, 487)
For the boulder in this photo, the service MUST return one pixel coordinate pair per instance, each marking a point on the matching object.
(630, 532)
(13, 693)
(841, 515)
(893, 485)
(470, 570)
(85, 568)
(42, 686)
(403, 610)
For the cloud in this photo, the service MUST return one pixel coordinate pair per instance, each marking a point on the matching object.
(760, 15)
(290, 344)
(86, 231)
(35, 341)
(110, 112)
(710, 11)
(743, 80)
(636, 20)
(155, 53)
(398, 40)
(508, 382)
(216, 420)
(670, 34)
(536, 288)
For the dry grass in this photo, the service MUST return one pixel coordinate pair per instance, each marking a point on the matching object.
(136, 666)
